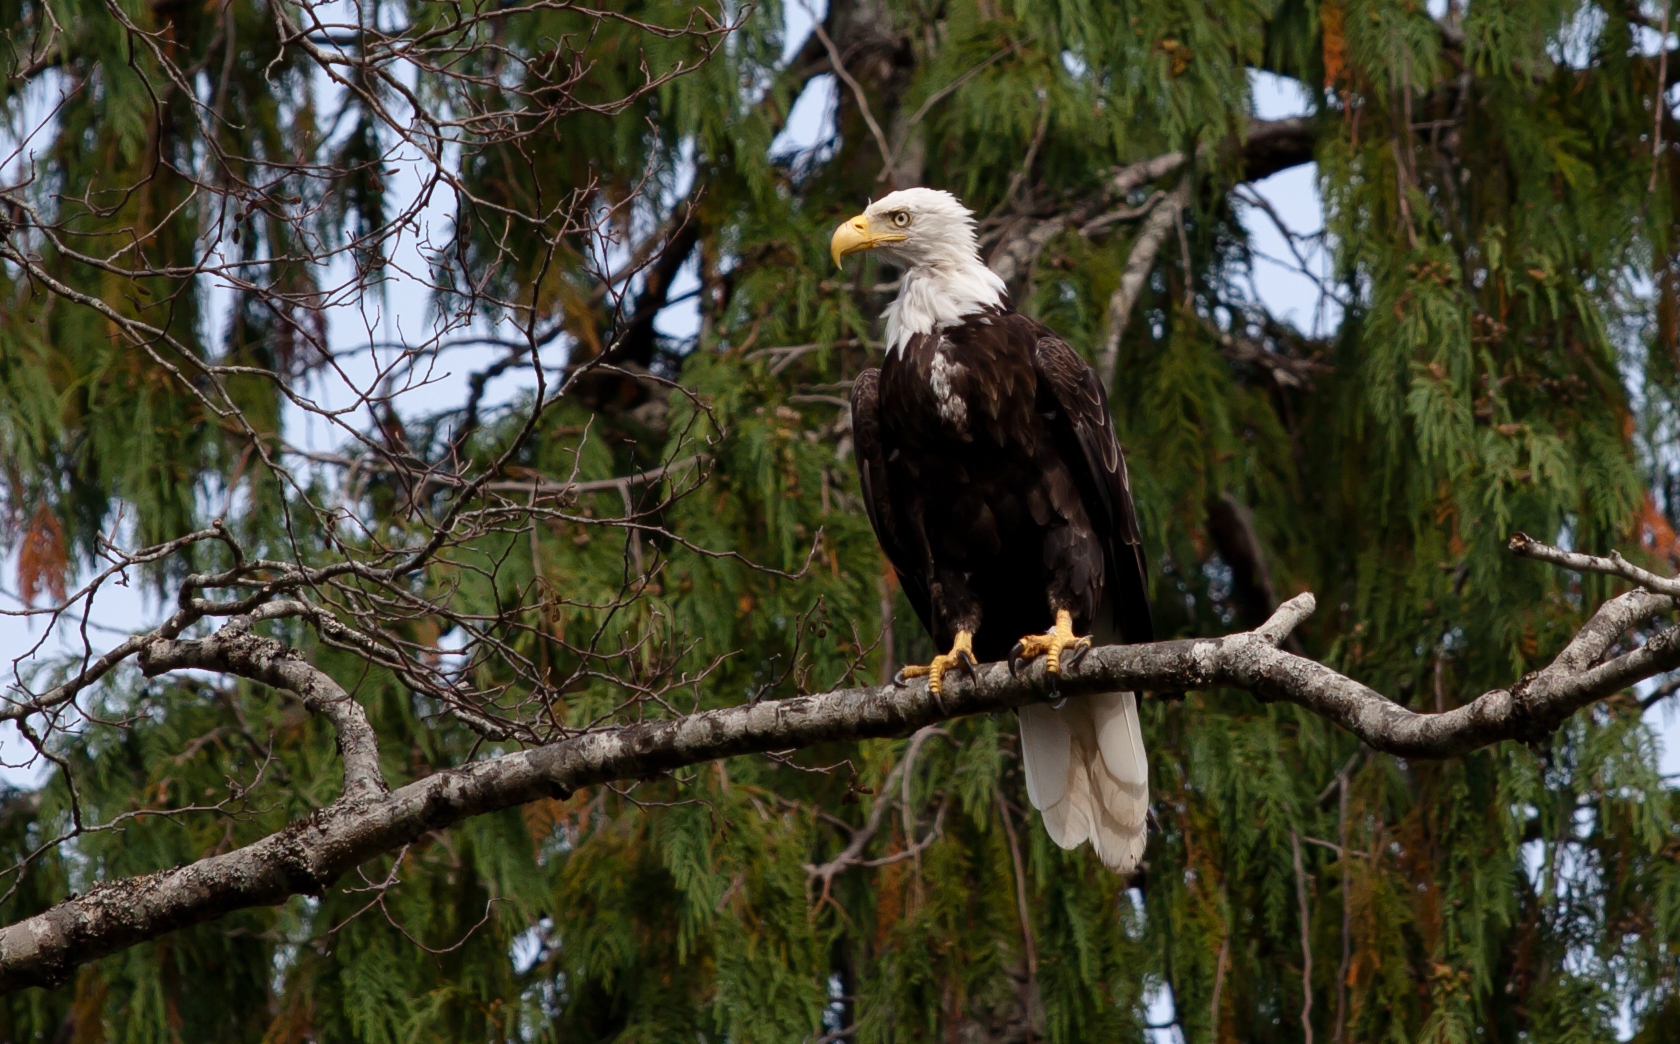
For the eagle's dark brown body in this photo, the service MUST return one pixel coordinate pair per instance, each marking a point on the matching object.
(994, 481)
(997, 489)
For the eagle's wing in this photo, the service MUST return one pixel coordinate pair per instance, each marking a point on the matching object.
(1072, 400)
(1086, 768)
(877, 494)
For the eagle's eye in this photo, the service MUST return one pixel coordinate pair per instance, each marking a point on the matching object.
(901, 218)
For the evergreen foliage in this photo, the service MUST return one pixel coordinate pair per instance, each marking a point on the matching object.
(1507, 358)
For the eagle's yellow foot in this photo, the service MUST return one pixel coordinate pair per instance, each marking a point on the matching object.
(960, 657)
(1051, 646)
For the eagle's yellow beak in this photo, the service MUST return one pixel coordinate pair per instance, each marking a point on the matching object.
(855, 235)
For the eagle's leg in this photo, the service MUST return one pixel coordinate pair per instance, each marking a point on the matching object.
(1052, 646)
(961, 657)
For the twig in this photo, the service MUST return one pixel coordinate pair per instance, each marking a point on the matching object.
(1097, 224)
(1219, 965)
(1660, 693)
(1333, 847)
(856, 88)
(1020, 176)
(852, 854)
(937, 96)
(784, 356)
(1660, 103)
(1306, 939)
(1339, 780)
(1342, 781)
(545, 488)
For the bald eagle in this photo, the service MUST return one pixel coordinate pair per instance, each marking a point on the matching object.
(998, 491)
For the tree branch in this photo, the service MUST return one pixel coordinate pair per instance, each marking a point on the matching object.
(1306, 937)
(1267, 147)
(1614, 564)
(1160, 221)
(235, 650)
(839, 63)
(309, 855)
(852, 854)
(547, 488)
(638, 338)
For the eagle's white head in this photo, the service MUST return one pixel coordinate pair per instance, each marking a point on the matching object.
(930, 235)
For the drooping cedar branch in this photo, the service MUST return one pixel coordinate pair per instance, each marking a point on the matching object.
(308, 856)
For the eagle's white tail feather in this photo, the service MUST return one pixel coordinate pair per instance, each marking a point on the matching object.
(1088, 775)
(1046, 745)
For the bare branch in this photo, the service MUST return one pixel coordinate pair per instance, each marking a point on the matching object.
(235, 650)
(940, 95)
(562, 489)
(1160, 221)
(852, 854)
(838, 62)
(1612, 565)
(1306, 937)
(1266, 147)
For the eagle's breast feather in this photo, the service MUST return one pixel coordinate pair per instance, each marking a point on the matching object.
(944, 377)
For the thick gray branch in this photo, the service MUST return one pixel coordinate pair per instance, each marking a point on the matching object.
(308, 856)
(235, 650)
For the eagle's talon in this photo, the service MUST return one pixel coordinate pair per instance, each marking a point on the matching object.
(901, 679)
(1052, 645)
(960, 657)
(1077, 654)
(1017, 656)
